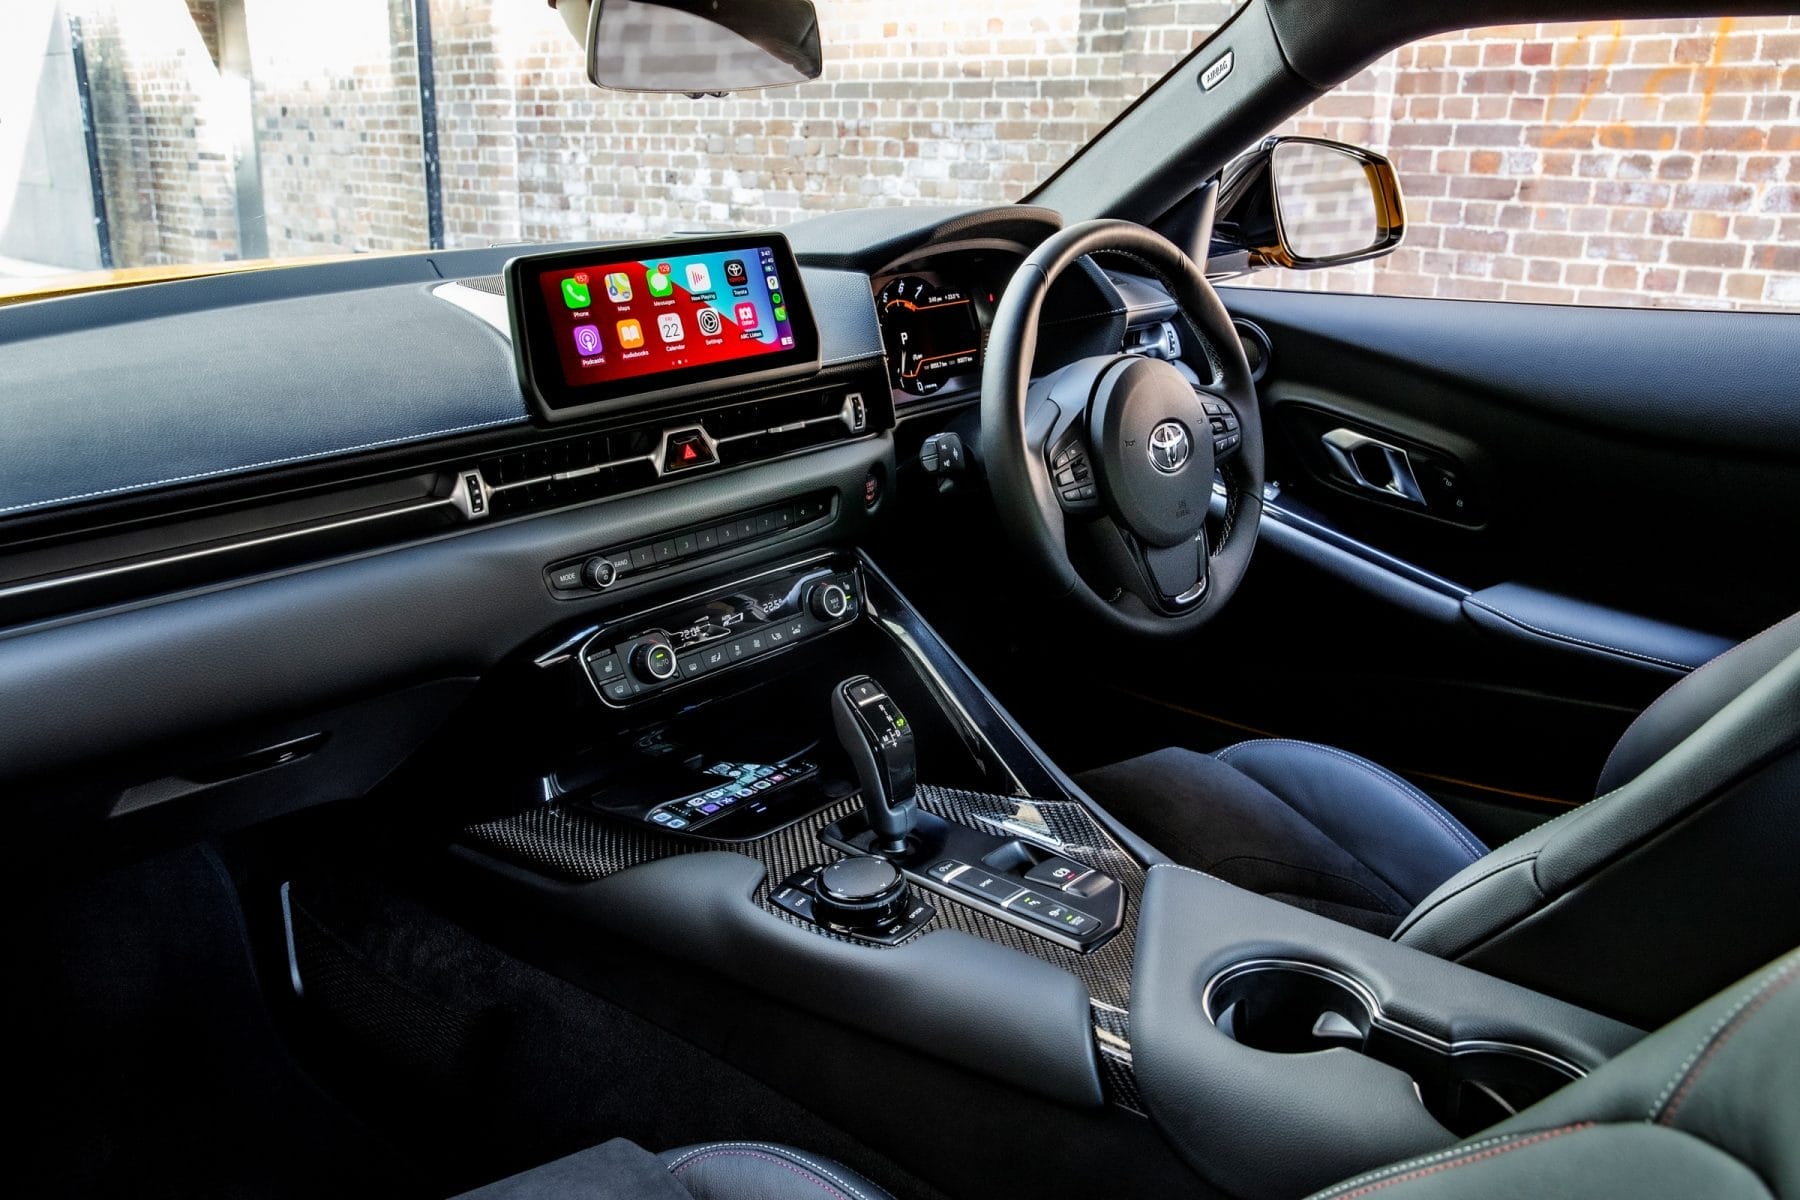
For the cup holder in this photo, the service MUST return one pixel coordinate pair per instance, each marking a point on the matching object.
(1287, 1007)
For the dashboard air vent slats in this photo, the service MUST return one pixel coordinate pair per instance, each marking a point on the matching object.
(571, 470)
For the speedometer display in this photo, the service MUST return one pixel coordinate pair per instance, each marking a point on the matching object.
(931, 333)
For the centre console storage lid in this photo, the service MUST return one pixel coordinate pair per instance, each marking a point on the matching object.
(1275, 1116)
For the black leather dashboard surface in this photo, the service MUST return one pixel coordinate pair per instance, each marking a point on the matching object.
(113, 399)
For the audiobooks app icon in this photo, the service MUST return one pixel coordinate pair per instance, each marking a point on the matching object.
(631, 335)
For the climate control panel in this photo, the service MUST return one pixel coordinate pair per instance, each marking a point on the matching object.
(636, 658)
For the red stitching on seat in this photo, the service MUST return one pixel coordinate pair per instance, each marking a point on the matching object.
(806, 1175)
(1737, 1023)
(1463, 1162)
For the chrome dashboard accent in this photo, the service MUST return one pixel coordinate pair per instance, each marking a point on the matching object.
(487, 307)
(90, 575)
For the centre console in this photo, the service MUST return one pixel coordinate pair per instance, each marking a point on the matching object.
(802, 789)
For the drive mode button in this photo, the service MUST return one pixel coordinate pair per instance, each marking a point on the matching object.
(991, 887)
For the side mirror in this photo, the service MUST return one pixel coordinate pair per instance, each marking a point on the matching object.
(696, 47)
(1305, 203)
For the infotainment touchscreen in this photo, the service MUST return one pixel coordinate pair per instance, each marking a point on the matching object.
(618, 325)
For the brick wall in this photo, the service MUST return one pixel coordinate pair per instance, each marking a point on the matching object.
(337, 126)
(1646, 163)
(1639, 163)
(930, 101)
(166, 159)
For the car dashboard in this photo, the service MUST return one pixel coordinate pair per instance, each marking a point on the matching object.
(310, 487)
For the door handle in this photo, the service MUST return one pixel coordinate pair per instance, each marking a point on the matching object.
(1371, 465)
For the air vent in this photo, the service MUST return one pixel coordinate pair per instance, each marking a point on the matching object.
(572, 470)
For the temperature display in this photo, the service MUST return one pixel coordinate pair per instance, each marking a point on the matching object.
(931, 333)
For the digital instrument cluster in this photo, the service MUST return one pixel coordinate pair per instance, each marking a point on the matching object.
(934, 324)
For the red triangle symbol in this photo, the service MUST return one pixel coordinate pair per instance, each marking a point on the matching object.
(688, 452)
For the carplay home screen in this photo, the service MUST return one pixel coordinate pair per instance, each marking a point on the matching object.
(621, 320)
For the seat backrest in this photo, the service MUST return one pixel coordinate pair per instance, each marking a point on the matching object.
(1681, 875)
(1707, 1106)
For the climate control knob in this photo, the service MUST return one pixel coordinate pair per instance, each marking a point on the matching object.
(653, 660)
(828, 601)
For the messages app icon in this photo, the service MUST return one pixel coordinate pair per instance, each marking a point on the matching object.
(660, 283)
(575, 291)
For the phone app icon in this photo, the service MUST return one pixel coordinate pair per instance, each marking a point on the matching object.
(709, 321)
(669, 325)
(746, 316)
(575, 291)
(587, 339)
(780, 313)
(699, 279)
(618, 287)
(735, 275)
(660, 283)
(631, 335)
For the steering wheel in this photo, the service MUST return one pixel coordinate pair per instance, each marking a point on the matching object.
(1116, 452)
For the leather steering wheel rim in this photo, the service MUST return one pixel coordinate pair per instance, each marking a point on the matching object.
(1024, 489)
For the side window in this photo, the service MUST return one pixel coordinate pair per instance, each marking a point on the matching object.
(1641, 163)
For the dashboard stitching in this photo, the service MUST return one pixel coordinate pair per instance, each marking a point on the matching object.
(273, 462)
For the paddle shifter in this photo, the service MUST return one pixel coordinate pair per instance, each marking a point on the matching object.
(879, 740)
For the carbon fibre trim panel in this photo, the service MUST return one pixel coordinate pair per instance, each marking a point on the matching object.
(1112, 1038)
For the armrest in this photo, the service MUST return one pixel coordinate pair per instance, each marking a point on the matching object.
(1259, 1123)
(1515, 610)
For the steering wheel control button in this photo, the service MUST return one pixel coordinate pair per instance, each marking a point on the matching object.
(1058, 873)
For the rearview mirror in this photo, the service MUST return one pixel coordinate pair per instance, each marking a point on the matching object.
(1305, 203)
(696, 47)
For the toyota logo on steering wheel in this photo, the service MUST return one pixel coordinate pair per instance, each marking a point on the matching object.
(1170, 447)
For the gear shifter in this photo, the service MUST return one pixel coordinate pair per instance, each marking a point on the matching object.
(879, 740)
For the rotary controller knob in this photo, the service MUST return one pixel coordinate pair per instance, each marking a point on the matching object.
(653, 660)
(863, 892)
(828, 601)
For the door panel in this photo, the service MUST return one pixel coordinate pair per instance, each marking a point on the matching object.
(1631, 493)
(1644, 460)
